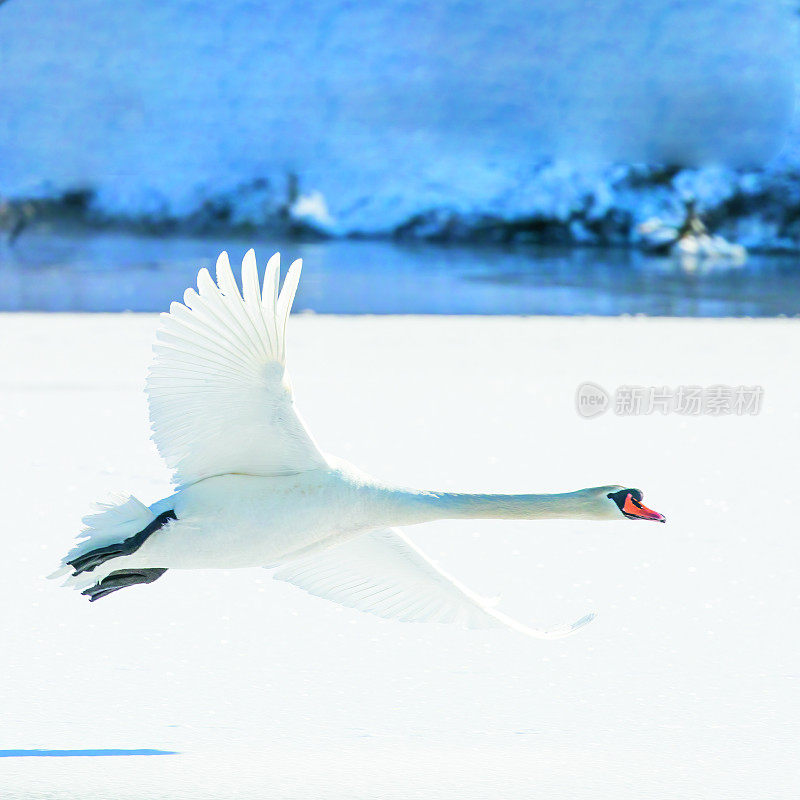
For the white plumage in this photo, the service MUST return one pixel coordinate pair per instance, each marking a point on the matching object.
(384, 573)
(220, 400)
(254, 489)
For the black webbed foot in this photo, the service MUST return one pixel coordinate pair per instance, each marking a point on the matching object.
(121, 579)
(86, 562)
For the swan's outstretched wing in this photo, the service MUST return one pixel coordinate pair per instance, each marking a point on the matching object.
(383, 573)
(220, 400)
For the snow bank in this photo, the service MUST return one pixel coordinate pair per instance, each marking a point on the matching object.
(476, 119)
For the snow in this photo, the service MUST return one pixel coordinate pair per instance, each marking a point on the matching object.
(384, 112)
(685, 685)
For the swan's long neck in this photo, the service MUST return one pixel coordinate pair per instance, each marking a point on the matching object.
(411, 507)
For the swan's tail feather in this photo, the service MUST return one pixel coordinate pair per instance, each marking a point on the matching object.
(108, 524)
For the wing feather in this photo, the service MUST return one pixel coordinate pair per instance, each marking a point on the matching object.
(285, 300)
(269, 299)
(220, 400)
(385, 574)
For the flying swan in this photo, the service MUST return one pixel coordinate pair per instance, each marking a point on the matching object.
(254, 489)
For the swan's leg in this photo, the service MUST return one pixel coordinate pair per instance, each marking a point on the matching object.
(121, 579)
(86, 562)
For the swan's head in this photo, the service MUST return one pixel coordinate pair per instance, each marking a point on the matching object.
(628, 502)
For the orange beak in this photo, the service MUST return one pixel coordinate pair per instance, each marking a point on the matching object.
(634, 508)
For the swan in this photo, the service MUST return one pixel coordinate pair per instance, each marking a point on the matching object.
(254, 489)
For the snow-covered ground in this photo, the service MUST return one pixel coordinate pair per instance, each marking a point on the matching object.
(685, 686)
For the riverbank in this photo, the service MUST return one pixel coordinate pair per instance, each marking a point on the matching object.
(552, 204)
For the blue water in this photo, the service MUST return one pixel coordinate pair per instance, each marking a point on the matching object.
(119, 272)
(83, 753)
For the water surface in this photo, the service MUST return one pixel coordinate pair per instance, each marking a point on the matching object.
(122, 272)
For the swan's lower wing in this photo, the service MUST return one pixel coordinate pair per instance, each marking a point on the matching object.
(383, 573)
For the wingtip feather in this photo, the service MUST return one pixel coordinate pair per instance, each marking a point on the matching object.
(250, 285)
(223, 260)
(271, 277)
(205, 283)
(289, 289)
(225, 278)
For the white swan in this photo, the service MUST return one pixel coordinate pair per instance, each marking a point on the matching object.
(255, 490)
